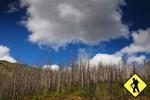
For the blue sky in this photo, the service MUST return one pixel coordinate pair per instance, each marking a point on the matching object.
(14, 35)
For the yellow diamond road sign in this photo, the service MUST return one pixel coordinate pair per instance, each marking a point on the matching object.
(135, 85)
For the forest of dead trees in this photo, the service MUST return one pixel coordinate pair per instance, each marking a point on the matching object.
(22, 81)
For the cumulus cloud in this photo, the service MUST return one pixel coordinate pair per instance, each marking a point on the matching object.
(105, 59)
(58, 22)
(134, 59)
(141, 43)
(53, 67)
(4, 54)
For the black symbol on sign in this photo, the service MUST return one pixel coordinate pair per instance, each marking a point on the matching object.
(134, 85)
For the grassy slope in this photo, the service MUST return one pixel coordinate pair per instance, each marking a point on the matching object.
(102, 91)
(4, 65)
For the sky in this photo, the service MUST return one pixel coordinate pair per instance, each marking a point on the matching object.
(39, 32)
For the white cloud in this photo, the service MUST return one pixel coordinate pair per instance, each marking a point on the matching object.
(134, 59)
(53, 67)
(141, 43)
(130, 50)
(105, 59)
(4, 54)
(59, 22)
(142, 39)
(68, 12)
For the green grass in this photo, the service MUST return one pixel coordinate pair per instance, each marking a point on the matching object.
(103, 91)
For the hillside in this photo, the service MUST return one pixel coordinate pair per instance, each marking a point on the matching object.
(4, 65)
(21, 82)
